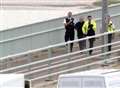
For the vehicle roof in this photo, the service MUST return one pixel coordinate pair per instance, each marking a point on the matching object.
(94, 72)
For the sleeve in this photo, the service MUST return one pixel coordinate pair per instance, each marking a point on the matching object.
(94, 25)
(76, 26)
(64, 21)
(84, 28)
(73, 20)
(113, 26)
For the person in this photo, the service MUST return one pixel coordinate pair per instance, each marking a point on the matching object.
(69, 27)
(110, 29)
(78, 27)
(89, 29)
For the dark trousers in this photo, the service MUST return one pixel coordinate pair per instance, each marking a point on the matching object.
(82, 44)
(69, 36)
(109, 41)
(91, 42)
(91, 32)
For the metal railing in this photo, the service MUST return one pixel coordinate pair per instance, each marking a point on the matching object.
(70, 69)
(56, 45)
(65, 55)
(43, 69)
(33, 80)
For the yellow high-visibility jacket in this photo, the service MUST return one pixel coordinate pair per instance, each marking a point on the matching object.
(86, 24)
(111, 27)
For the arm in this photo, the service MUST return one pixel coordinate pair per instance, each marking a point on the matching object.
(67, 23)
(76, 26)
(94, 26)
(84, 28)
(113, 26)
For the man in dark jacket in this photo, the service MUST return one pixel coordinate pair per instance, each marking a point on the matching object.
(69, 27)
(78, 27)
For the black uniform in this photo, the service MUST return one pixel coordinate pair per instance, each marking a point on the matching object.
(78, 27)
(91, 32)
(69, 34)
(109, 41)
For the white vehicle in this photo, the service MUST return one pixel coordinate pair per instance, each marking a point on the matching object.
(90, 79)
(11, 81)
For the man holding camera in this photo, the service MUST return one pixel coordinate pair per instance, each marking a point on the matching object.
(89, 29)
(69, 27)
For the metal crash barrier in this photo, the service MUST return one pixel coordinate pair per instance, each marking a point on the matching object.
(37, 69)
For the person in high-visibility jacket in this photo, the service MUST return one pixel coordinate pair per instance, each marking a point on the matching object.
(89, 29)
(111, 28)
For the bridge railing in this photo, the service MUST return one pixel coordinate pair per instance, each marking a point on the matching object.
(57, 45)
(51, 51)
(34, 76)
(68, 62)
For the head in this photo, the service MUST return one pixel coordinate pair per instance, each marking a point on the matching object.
(69, 14)
(109, 18)
(89, 18)
(81, 19)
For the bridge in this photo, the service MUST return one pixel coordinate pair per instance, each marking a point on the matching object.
(42, 65)
(23, 38)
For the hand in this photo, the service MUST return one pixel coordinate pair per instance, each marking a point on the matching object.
(91, 26)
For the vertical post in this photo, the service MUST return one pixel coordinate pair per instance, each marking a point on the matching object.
(8, 62)
(29, 61)
(87, 46)
(68, 57)
(68, 48)
(104, 15)
(49, 53)
(49, 62)
(104, 25)
(1, 64)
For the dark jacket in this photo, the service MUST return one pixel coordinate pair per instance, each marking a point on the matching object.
(70, 26)
(78, 27)
(91, 31)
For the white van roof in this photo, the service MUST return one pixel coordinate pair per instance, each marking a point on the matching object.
(111, 77)
(94, 72)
